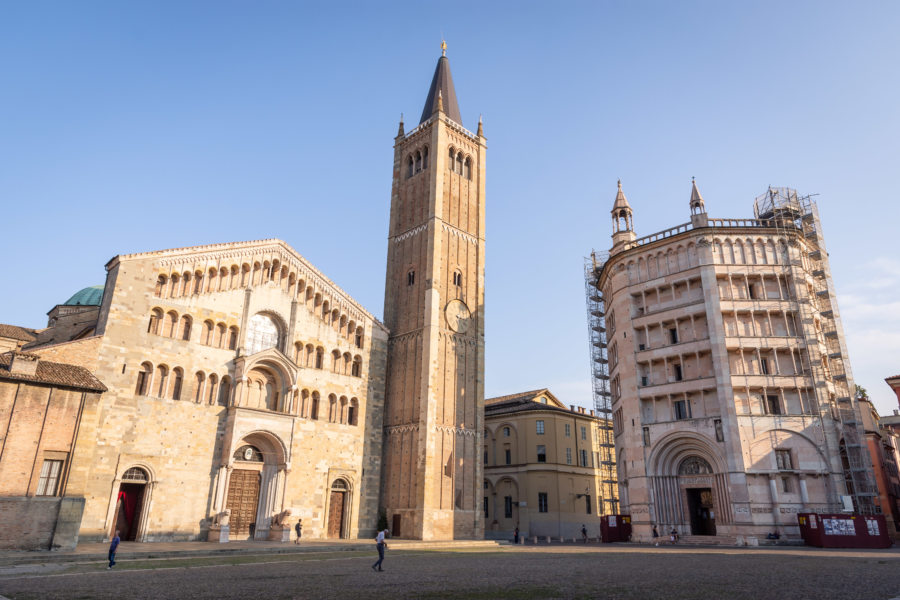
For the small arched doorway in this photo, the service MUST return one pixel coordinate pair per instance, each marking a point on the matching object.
(130, 504)
(338, 507)
(243, 491)
(695, 475)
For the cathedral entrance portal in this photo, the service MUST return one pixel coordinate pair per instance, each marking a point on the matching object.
(243, 500)
(130, 504)
(700, 505)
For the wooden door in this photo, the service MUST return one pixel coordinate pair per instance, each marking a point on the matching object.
(243, 499)
(336, 514)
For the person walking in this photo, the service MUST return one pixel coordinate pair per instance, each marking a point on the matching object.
(113, 546)
(381, 545)
(584, 533)
(655, 535)
(516, 535)
(299, 529)
(673, 536)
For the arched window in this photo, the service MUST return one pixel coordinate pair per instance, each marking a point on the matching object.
(409, 167)
(332, 408)
(418, 161)
(411, 277)
(232, 337)
(161, 283)
(342, 416)
(135, 474)
(310, 358)
(174, 286)
(199, 380)
(468, 171)
(245, 275)
(353, 412)
(212, 388)
(262, 333)
(452, 162)
(303, 408)
(457, 279)
(459, 163)
(162, 380)
(257, 271)
(314, 407)
(211, 281)
(177, 382)
(336, 361)
(207, 338)
(320, 357)
(359, 337)
(143, 379)
(185, 330)
(348, 360)
(235, 271)
(357, 366)
(156, 316)
(171, 326)
(186, 284)
(223, 279)
(335, 318)
(220, 335)
(298, 353)
(224, 391)
(342, 324)
(198, 282)
(425, 157)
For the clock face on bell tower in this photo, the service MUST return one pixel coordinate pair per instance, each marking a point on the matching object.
(434, 309)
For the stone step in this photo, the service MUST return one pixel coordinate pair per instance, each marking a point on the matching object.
(708, 540)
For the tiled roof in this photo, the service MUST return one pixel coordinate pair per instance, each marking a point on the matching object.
(515, 397)
(53, 373)
(524, 401)
(17, 333)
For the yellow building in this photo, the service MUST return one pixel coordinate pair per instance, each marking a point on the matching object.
(542, 468)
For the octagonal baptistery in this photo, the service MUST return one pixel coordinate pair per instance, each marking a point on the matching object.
(725, 365)
(245, 393)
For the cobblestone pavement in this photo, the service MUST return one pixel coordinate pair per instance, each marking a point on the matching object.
(519, 573)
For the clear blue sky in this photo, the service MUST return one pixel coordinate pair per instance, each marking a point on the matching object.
(132, 126)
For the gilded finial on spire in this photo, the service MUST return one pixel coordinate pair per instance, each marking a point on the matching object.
(443, 48)
(620, 184)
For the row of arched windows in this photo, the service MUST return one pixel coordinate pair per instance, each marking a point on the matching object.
(750, 252)
(313, 357)
(217, 335)
(660, 263)
(337, 409)
(417, 162)
(163, 382)
(178, 285)
(459, 164)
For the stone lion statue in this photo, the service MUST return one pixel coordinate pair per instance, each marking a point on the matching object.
(282, 519)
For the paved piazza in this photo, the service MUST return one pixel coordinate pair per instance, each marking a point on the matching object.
(548, 572)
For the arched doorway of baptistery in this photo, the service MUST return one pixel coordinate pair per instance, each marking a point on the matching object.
(695, 477)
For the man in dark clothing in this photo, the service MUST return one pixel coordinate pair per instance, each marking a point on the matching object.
(113, 546)
(299, 529)
(516, 535)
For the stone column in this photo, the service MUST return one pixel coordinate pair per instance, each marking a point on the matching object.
(773, 491)
(804, 493)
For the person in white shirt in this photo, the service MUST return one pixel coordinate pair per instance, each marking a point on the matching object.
(381, 546)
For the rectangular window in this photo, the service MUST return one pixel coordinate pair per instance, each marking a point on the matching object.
(584, 457)
(507, 507)
(508, 456)
(786, 485)
(587, 504)
(764, 365)
(673, 335)
(49, 480)
(506, 432)
(681, 410)
(773, 407)
(485, 507)
(568, 456)
(583, 433)
(539, 425)
(485, 457)
(568, 430)
(542, 502)
(783, 460)
(542, 453)
(677, 370)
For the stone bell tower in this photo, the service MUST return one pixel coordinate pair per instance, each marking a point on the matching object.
(434, 308)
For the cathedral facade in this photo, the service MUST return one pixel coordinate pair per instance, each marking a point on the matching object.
(247, 391)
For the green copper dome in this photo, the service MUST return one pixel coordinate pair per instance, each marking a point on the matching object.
(89, 296)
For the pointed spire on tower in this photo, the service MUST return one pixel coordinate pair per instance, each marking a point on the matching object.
(697, 205)
(480, 131)
(442, 91)
(400, 132)
(623, 226)
(698, 209)
(621, 200)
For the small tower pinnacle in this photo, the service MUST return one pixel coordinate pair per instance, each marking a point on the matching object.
(698, 209)
(443, 48)
(400, 132)
(480, 131)
(623, 227)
